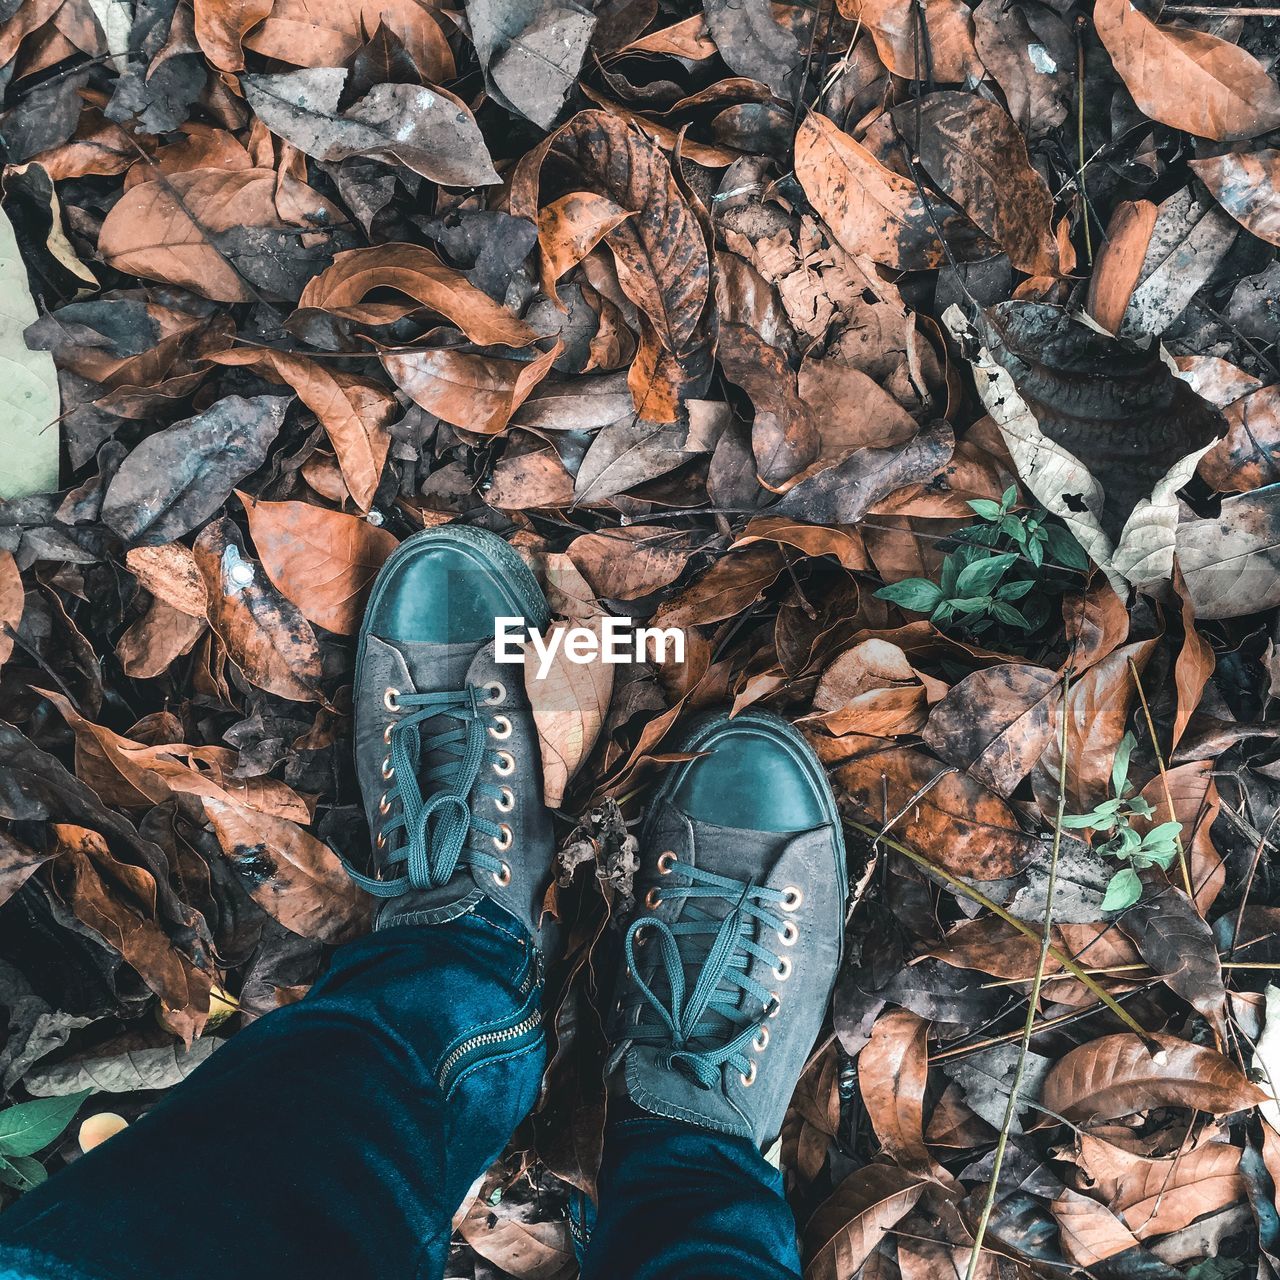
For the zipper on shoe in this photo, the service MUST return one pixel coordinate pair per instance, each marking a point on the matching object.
(490, 1042)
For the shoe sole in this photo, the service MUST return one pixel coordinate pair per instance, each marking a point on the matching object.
(706, 726)
(487, 550)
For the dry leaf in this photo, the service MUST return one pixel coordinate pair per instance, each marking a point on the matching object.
(322, 561)
(569, 704)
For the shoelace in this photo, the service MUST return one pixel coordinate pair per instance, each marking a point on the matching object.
(428, 818)
(709, 1027)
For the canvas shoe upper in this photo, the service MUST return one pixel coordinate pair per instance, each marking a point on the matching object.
(446, 751)
(731, 959)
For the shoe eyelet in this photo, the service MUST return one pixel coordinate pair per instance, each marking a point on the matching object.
(640, 938)
(500, 729)
(652, 900)
(502, 878)
(504, 764)
(506, 800)
(775, 1003)
(381, 841)
(750, 1078)
(389, 699)
(384, 805)
(789, 935)
(503, 840)
(761, 1042)
(388, 769)
(791, 898)
(783, 971)
(665, 862)
(497, 693)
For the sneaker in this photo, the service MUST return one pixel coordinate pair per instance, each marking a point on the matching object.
(446, 750)
(730, 964)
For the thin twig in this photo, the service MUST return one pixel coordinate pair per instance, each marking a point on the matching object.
(1084, 194)
(1033, 1002)
(976, 895)
(1164, 780)
(1262, 843)
(1227, 11)
(1045, 1024)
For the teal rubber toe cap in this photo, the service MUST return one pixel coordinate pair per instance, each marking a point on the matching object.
(447, 585)
(758, 774)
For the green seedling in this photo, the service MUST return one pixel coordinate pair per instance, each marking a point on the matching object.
(1157, 848)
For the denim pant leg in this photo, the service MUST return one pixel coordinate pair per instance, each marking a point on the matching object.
(335, 1137)
(682, 1203)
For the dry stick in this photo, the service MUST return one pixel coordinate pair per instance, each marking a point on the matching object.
(1263, 842)
(976, 895)
(1060, 1020)
(1033, 1001)
(1229, 11)
(1084, 195)
(1164, 779)
(1112, 970)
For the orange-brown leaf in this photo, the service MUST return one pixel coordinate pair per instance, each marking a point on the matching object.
(869, 209)
(948, 816)
(323, 561)
(414, 271)
(1118, 1075)
(1186, 78)
(477, 393)
(849, 1224)
(289, 872)
(12, 602)
(266, 636)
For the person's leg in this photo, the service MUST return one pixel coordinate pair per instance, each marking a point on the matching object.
(679, 1201)
(337, 1137)
(723, 987)
(332, 1138)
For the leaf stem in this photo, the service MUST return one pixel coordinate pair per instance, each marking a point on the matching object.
(1164, 779)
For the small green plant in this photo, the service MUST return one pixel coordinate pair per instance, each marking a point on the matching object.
(1005, 570)
(29, 1127)
(1157, 848)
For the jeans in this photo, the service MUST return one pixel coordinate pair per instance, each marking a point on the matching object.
(336, 1137)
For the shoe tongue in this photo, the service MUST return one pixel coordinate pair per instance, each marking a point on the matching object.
(740, 853)
(434, 668)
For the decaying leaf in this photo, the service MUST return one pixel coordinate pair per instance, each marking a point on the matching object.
(289, 873)
(976, 155)
(945, 814)
(176, 479)
(870, 209)
(426, 129)
(266, 636)
(849, 1225)
(1247, 186)
(1079, 440)
(996, 723)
